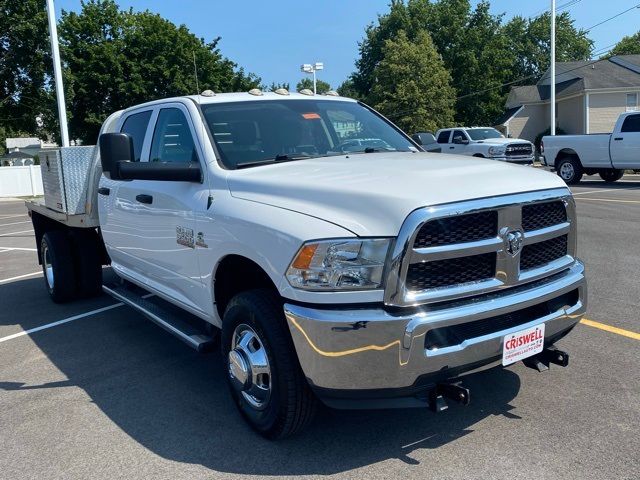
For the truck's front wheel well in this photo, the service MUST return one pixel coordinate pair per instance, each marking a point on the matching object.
(237, 274)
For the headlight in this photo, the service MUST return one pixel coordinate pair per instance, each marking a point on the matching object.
(339, 265)
(497, 151)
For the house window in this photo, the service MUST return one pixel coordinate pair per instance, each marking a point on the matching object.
(632, 102)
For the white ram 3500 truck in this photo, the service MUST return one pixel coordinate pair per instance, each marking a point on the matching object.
(607, 154)
(372, 278)
(485, 142)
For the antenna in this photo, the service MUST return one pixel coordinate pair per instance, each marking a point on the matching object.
(195, 73)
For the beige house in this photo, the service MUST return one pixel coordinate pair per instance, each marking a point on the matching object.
(589, 97)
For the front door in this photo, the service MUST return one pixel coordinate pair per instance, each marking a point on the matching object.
(625, 145)
(168, 210)
(457, 144)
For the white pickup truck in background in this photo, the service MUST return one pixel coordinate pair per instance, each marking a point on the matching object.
(335, 261)
(608, 154)
(485, 142)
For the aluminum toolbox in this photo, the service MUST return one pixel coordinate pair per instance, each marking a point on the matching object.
(65, 177)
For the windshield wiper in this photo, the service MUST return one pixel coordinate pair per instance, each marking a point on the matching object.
(281, 157)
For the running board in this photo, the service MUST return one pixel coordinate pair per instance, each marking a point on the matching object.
(171, 322)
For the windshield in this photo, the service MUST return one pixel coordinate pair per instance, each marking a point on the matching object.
(484, 133)
(257, 132)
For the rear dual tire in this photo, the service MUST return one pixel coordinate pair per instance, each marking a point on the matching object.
(71, 264)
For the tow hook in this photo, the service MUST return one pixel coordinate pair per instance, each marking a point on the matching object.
(541, 361)
(451, 391)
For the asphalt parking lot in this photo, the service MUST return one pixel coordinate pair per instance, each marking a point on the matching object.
(110, 395)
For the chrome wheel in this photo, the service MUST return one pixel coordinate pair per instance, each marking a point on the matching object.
(47, 266)
(248, 366)
(567, 172)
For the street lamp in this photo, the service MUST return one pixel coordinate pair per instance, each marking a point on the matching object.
(312, 68)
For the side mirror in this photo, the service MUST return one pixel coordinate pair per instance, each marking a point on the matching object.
(114, 148)
(460, 140)
(423, 138)
(117, 158)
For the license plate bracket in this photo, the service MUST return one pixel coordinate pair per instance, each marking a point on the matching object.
(522, 344)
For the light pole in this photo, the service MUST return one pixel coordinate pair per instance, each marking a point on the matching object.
(553, 67)
(57, 70)
(312, 68)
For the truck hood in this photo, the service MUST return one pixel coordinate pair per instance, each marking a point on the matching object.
(500, 141)
(372, 194)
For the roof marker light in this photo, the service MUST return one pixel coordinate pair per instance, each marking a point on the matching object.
(332, 93)
(255, 91)
(306, 91)
(208, 93)
(282, 91)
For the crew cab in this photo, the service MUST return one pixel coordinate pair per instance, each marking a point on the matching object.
(607, 154)
(359, 278)
(485, 142)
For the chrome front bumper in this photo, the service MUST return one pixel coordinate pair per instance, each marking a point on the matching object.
(360, 349)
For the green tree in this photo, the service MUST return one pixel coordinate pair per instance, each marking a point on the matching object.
(412, 86)
(470, 42)
(321, 86)
(347, 89)
(117, 58)
(25, 68)
(275, 86)
(530, 44)
(629, 45)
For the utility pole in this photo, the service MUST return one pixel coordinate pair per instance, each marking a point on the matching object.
(553, 67)
(57, 70)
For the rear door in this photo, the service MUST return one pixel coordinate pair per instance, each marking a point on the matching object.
(117, 205)
(625, 145)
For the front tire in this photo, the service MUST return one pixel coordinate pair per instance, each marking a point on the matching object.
(264, 375)
(611, 175)
(57, 266)
(570, 170)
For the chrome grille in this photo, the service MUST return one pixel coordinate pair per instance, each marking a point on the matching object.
(470, 248)
(519, 149)
(542, 215)
(539, 254)
(445, 273)
(465, 228)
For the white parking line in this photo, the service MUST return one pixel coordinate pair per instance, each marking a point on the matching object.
(60, 322)
(15, 233)
(14, 223)
(3, 217)
(7, 280)
(606, 190)
(66, 320)
(19, 249)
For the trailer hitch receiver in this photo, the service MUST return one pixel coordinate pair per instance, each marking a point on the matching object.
(451, 391)
(549, 355)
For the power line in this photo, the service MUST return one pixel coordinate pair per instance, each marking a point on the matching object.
(611, 18)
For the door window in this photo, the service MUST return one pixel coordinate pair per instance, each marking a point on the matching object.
(631, 124)
(459, 136)
(136, 126)
(444, 137)
(172, 139)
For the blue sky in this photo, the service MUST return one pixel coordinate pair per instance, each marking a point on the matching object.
(272, 39)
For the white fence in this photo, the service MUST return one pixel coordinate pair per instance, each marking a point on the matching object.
(20, 181)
